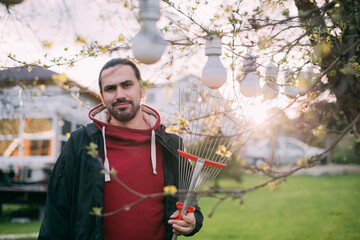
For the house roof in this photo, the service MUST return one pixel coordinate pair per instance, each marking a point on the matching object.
(37, 74)
(22, 74)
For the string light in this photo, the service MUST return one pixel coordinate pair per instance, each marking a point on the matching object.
(305, 78)
(250, 85)
(290, 90)
(148, 45)
(271, 89)
(75, 93)
(214, 73)
(17, 97)
(11, 2)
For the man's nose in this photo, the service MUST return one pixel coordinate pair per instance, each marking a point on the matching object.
(120, 93)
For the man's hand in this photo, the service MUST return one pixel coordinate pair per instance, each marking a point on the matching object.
(184, 226)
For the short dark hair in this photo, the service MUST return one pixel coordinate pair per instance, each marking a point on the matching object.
(120, 61)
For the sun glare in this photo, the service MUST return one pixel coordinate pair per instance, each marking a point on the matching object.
(258, 113)
(254, 109)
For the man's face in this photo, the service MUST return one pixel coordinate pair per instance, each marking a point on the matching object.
(121, 92)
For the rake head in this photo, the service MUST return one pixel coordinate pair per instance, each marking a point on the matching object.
(212, 128)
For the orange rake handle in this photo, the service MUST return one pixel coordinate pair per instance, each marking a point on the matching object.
(195, 158)
(180, 206)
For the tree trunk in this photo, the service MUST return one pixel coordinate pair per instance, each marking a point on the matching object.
(328, 143)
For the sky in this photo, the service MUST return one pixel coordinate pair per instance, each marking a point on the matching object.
(30, 24)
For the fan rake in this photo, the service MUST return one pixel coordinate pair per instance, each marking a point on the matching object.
(212, 127)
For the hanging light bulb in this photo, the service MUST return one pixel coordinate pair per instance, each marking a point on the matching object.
(75, 93)
(271, 89)
(214, 73)
(290, 90)
(310, 72)
(305, 78)
(250, 85)
(17, 97)
(11, 2)
(148, 45)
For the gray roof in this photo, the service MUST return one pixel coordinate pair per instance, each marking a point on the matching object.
(21, 74)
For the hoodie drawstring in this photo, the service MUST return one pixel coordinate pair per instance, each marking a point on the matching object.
(106, 161)
(153, 152)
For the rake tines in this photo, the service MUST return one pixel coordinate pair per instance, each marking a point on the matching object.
(212, 129)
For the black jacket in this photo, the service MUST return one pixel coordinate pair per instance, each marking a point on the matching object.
(76, 186)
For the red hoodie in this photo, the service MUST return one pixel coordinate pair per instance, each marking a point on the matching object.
(129, 152)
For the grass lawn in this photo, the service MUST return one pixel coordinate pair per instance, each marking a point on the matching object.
(304, 207)
(11, 211)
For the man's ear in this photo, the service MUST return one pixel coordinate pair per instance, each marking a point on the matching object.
(143, 93)
(102, 99)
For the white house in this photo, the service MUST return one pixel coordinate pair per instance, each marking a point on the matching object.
(165, 98)
(38, 110)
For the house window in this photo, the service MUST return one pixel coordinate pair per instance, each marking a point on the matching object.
(9, 126)
(150, 98)
(37, 148)
(37, 142)
(26, 137)
(63, 144)
(37, 125)
(9, 147)
(9, 140)
(67, 127)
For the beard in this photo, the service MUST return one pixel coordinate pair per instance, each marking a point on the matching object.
(124, 115)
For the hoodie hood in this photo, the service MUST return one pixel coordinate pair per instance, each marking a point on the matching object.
(101, 118)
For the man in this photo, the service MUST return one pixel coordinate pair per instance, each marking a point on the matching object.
(134, 146)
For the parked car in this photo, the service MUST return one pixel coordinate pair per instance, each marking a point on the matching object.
(281, 150)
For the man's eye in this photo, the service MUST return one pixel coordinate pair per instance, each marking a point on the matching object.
(108, 89)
